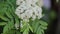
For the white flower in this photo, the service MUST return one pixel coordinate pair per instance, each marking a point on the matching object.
(29, 2)
(21, 25)
(26, 20)
(33, 17)
(34, 1)
(40, 3)
(18, 2)
(28, 13)
(39, 16)
(19, 9)
(22, 16)
(29, 9)
(16, 26)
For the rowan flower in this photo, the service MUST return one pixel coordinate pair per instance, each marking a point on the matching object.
(29, 9)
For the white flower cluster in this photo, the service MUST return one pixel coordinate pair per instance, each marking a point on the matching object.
(28, 9)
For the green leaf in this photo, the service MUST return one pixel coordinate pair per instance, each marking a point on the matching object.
(8, 27)
(35, 25)
(12, 3)
(17, 32)
(8, 13)
(11, 24)
(43, 23)
(1, 12)
(5, 30)
(4, 18)
(10, 32)
(17, 22)
(30, 27)
(39, 31)
(25, 28)
(39, 26)
(43, 27)
(2, 23)
(24, 24)
(26, 31)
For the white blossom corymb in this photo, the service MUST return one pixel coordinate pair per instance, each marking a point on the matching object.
(28, 9)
